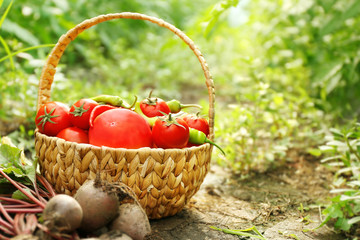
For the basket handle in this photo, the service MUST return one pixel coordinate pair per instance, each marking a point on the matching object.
(49, 69)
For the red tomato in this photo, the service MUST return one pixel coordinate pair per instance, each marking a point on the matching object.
(153, 107)
(80, 112)
(197, 122)
(120, 128)
(74, 134)
(52, 117)
(97, 111)
(170, 133)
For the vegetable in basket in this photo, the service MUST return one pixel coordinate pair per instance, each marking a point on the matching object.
(114, 101)
(74, 134)
(198, 137)
(52, 117)
(97, 111)
(80, 112)
(120, 128)
(170, 132)
(175, 105)
(153, 106)
(197, 122)
(151, 120)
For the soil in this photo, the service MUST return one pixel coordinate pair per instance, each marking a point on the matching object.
(281, 204)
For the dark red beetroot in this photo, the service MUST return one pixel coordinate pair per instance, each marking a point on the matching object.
(62, 214)
(100, 201)
(99, 207)
(132, 220)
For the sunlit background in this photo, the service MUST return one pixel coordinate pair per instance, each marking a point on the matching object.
(285, 71)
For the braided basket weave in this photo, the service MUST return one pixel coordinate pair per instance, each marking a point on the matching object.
(164, 180)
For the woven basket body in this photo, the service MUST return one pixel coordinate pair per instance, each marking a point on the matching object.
(164, 180)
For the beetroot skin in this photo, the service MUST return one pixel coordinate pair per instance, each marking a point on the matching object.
(62, 214)
(132, 220)
(99, 206)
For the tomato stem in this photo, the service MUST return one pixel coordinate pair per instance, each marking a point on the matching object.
(150, 100)
(47, 117)
(79, 111)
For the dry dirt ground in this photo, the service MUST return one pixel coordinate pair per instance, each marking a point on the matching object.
(271, 201)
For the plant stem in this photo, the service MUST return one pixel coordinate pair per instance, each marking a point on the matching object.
(13, 200)
(351, 149)
(23, 206)
(25, 210)
(6, 231)
(7, 50)
(46, 184)
(25, 50)
(5, 214)
(33, 193)
(31, 197)
(6, 225)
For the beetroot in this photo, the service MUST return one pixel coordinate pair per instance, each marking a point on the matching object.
(132, 220)
(62, 214)
(98, 205)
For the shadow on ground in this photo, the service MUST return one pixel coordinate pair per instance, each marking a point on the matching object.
(281, 204)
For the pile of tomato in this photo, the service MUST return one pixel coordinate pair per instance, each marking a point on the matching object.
(109, 121)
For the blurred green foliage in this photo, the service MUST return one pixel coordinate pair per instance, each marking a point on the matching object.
(342, 151)
(282, 69)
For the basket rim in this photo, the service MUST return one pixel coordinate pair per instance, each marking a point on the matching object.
(88, 145)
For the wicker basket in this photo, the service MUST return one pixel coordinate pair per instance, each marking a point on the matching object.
(163, 179)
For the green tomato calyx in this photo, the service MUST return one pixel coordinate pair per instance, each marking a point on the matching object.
(47, 117)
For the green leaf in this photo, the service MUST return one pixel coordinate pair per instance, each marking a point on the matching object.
(327, 4)
(25, 50)
(242, 232)
(12, 160)
(336, 143)
(343, 224)
(16, 171)
(337, 21)
(342, 190)
(326, 148)
(337, 157)
(9, 156)
(19, 195)
(336, 132)
(8, 52)
(354, 220)
(347, 198)
(30, 170)
(20, 32)
(6, 12)
(326, 72)
(314, 151)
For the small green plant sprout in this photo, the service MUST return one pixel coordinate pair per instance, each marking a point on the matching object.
(304, 218)
(249, 232)
(344, 149)
(291, 235)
